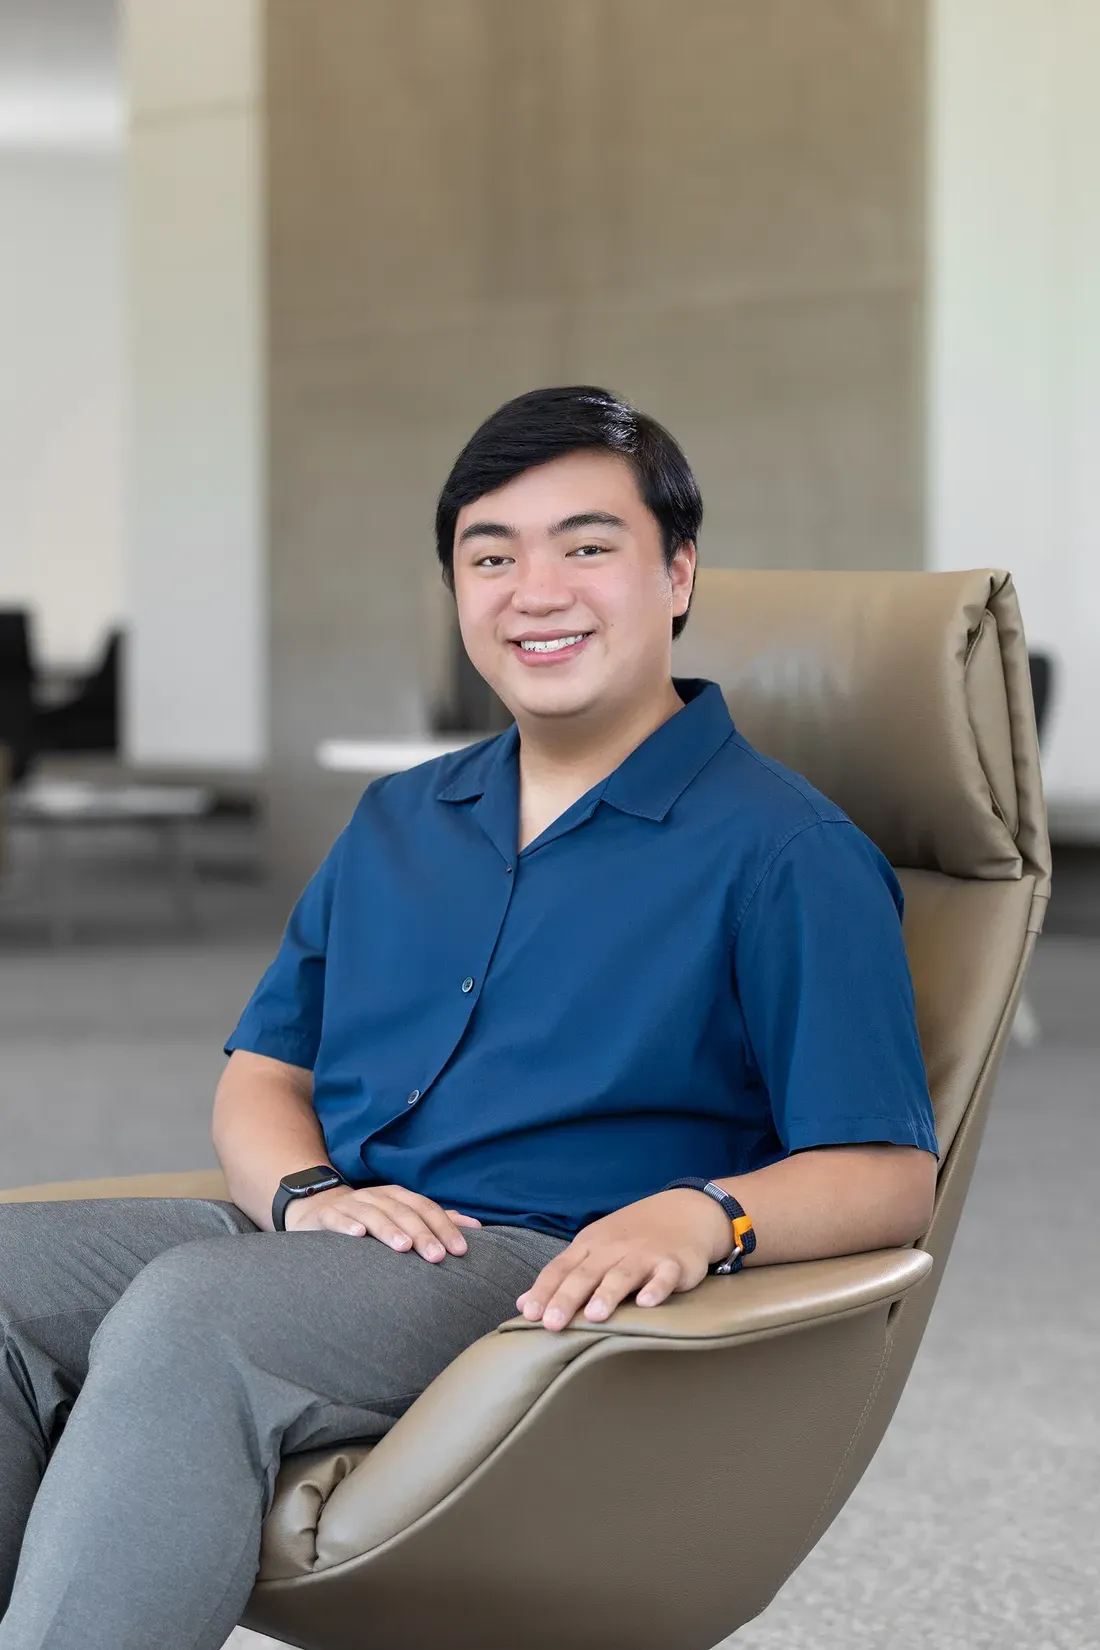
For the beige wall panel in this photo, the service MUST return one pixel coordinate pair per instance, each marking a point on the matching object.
(712, 205)
(725, 146)
(802, 421)
(408, 155)
(485, 150)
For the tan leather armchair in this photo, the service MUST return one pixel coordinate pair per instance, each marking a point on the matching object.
(650, 1482)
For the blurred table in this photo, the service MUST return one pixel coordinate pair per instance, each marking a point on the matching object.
(57, 807)
(389, 755)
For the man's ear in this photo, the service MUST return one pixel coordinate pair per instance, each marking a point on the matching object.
(685, 553)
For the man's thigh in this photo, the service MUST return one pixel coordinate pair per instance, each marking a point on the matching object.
(64, 1265)
(333, 1336)
(78, 1256)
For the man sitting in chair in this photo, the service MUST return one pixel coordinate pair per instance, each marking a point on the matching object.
(582, 1012)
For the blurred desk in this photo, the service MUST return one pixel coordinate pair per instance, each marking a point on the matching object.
(389, 755)
(54, 807)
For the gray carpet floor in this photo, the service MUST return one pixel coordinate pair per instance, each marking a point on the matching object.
(977, 1526)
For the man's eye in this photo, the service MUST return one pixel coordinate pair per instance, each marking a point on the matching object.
(600, 549)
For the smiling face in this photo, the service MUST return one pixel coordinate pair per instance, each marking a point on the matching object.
(564, 550)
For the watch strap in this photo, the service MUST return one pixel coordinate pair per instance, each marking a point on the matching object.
(744, 1236)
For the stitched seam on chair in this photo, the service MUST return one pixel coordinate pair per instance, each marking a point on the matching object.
(857, 1433)
(316, 1567)
(320, 1501)
(972, 642)
(471, 1471)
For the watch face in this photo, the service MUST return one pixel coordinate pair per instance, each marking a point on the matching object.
(310, 1180)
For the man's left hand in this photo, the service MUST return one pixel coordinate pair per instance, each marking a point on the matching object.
(660, 1246)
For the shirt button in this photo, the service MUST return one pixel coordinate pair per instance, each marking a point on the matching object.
(468, 983)
(413, 1098)
(508, 870)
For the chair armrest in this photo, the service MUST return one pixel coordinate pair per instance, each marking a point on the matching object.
(190, 1183)
(762, 1298)
(325, 1514)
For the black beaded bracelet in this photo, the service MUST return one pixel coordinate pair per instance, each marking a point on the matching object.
(744, 1238)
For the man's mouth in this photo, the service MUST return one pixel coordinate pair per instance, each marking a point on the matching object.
(555, 648)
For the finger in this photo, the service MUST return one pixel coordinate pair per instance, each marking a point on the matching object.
(463, 1220)
(616, 1284)
(662, 1282)
(579, 1287)
(431, 1217)
(375, 1217)
(333, 1219)
(533, 1301)
(427, 1242)
(387, 1219)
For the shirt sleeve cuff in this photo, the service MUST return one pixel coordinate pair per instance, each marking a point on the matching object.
(276, 1042)
(860, 1131)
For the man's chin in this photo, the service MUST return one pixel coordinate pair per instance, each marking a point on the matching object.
(547, 694)
(555, 704)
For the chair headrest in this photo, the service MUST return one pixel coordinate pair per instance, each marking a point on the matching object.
(904, 697)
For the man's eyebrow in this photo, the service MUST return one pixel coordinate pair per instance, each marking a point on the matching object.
(568, 524)
(588, 518)
(487, 530)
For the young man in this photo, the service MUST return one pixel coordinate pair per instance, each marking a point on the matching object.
(532, 984)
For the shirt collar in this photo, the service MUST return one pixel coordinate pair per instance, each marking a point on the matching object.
(650, 779)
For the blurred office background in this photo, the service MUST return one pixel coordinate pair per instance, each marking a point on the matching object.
(263, 268)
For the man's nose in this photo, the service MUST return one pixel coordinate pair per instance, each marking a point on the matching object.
(546, 587)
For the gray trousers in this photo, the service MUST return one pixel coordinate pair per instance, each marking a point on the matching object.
(160, 1356)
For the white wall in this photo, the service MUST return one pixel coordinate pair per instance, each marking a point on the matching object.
(196, 688)
(1014, 337)
(60, 389)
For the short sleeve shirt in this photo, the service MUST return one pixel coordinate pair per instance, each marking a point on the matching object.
(696, 969)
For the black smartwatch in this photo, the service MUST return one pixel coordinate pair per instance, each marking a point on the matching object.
(744, 1238)
(303, 1183)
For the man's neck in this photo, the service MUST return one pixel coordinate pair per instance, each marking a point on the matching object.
(571, 753)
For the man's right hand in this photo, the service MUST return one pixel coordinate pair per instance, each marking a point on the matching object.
(394, 1215)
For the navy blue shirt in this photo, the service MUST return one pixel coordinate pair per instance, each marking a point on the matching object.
(695, 970)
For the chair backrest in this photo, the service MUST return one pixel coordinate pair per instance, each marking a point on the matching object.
(15, 646)
(101, 686)
(5, 770)
(906, 698)
(17, 726)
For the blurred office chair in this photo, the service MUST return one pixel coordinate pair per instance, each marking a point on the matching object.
(88, 720)
(5, 768)
(16, 691)
(1041, 669)
(652, 1481)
